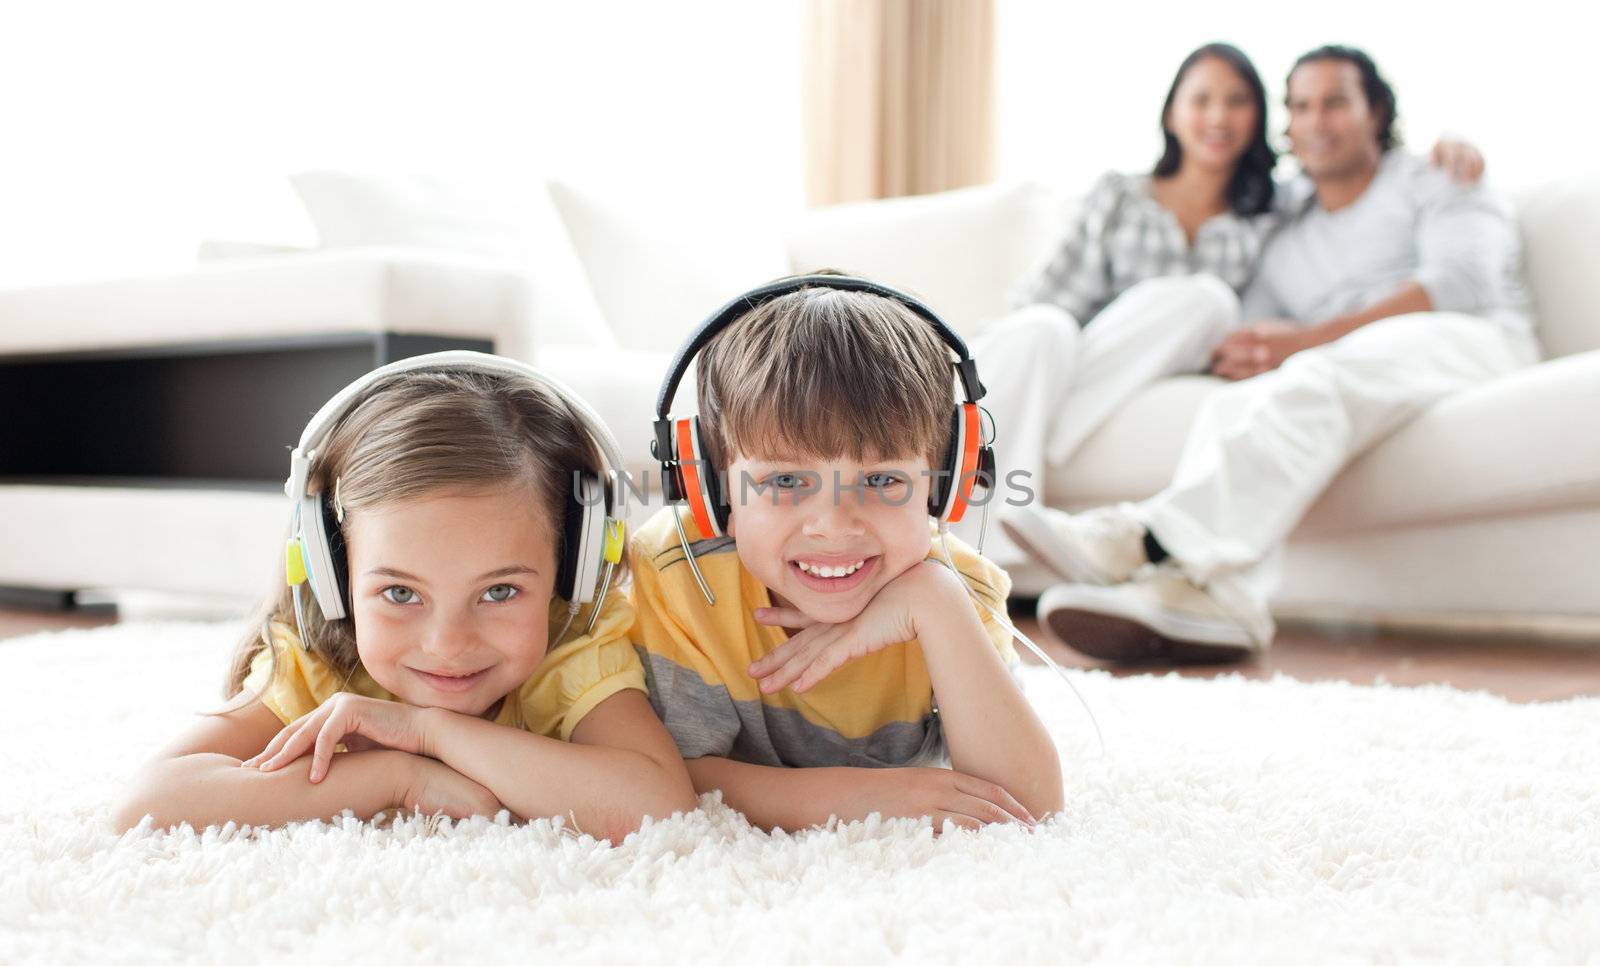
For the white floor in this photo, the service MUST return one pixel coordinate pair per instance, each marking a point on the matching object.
(1229, 821)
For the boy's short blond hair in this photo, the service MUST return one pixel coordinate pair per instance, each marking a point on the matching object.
(826, 374)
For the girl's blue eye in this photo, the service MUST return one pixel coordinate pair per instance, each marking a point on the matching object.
(399, 595)
(785, 481)
(882, 481)
(500, 593)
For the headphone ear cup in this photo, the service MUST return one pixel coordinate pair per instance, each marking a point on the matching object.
(945, 475)
(699, 479)
(967, 468)
(571, 537)
(327, 568)
(337, 554)
(583, 541)
(712, 484)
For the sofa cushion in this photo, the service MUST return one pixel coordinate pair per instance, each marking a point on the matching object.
(513, 223)
(621, 386)
(1560, 222)
(1134, 453)
(659, 269)
(1527, 572)
(960, 251)
(221, 541)
(275, 296)
(1522, 443)
(218, 249)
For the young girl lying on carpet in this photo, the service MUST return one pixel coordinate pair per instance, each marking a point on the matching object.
(451, 516)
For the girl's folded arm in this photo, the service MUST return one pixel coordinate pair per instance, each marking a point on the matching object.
(198, 779)
(620, 767)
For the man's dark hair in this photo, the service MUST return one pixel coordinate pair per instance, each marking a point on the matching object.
(1250, 188)
(1380, 96)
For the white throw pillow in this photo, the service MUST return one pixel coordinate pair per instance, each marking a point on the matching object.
(960, 251)
(510, 223)
(1560, 222)
(658, 271)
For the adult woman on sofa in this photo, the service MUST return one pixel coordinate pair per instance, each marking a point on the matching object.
(1144, 282)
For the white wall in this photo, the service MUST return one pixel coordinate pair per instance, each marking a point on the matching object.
(130, 131)
(1081, 84)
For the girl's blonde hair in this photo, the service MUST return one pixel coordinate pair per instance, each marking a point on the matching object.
(417, 433)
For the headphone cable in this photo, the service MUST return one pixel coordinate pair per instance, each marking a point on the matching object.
(683, 540)
(944, 546)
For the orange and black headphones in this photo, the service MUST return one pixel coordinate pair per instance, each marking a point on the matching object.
(687, 476)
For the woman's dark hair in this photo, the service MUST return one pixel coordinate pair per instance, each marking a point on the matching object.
(1250, 188)
(1380, 96)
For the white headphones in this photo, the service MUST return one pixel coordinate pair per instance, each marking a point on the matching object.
(592, 535)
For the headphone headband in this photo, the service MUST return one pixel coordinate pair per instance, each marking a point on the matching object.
(458, 360)
(966, 369)
(679, 445)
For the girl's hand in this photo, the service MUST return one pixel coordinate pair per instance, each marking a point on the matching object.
(351, 719)
(435, 788)
(820, 649)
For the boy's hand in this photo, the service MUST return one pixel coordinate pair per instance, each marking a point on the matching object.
(940, 794)
(357, 722)
(891, 617)
(434, 788)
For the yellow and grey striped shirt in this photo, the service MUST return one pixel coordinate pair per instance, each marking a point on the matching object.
(877, 710)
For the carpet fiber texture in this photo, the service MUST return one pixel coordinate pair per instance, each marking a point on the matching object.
(1228, 821)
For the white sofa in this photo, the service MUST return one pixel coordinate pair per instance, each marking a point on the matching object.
(1482, 512)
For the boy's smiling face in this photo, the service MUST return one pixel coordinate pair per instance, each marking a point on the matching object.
(824, 536)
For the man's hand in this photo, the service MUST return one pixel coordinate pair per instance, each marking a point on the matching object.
(1460, 160)
(357, 722)
(940, 794)
(818, 650)
(1260, 348)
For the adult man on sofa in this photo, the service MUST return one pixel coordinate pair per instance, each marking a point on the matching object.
(1387, 288)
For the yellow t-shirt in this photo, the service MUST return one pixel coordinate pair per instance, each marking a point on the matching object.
(877, 710)
(571, 680)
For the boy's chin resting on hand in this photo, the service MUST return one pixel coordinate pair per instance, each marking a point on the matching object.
(926, 592)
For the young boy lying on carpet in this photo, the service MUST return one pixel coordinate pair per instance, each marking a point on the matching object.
(804, 615)
(452, 515)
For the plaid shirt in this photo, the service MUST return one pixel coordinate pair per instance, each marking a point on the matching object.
(1121, 236)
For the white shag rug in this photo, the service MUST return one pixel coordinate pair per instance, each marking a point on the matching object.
(1230, 821)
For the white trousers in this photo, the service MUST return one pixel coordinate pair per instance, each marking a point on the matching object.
(1262, 450)
(1052, 383)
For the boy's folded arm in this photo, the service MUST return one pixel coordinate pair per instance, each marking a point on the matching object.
(785, 798)
(619, 768)
(798, 798)
(990, 729)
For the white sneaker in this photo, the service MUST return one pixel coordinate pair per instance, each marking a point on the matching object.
(1100, 546)
(1159, 616)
